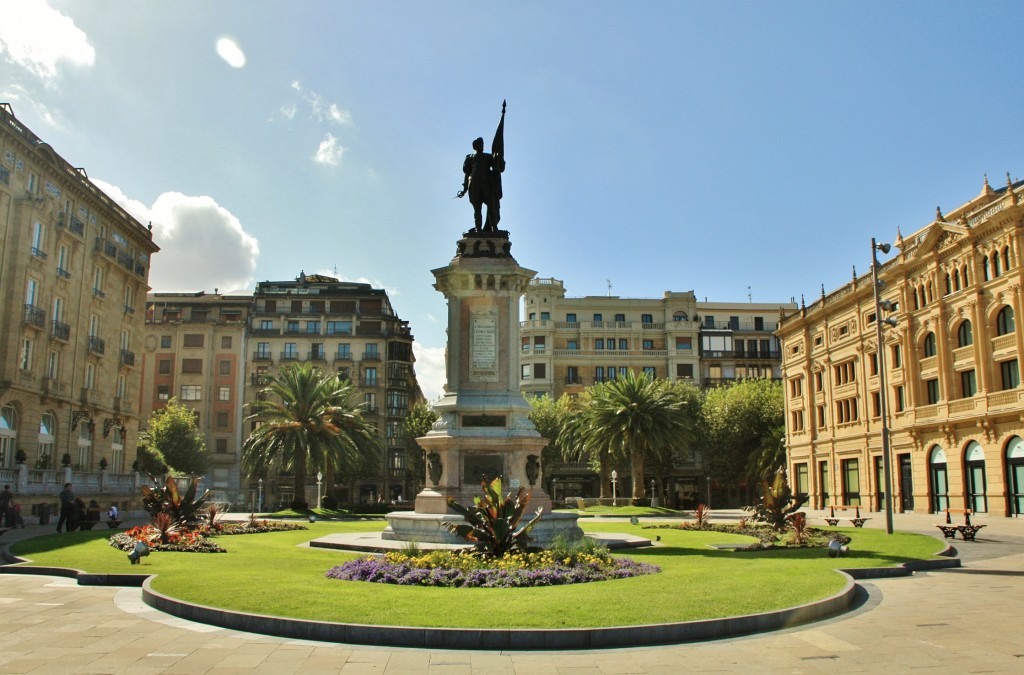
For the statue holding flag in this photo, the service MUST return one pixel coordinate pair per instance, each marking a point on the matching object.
(482, 179)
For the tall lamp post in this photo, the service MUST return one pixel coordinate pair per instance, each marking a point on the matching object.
(615, 480)
(319, 482)
(259, 495)
(882, 393)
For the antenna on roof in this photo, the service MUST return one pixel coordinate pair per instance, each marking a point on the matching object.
(609, 287)
(750, 296)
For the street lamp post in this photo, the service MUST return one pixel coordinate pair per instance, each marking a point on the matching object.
(654, 494)
(319, 482)
(259, 495)
(615, 479)
(554, 491)
(882, 388)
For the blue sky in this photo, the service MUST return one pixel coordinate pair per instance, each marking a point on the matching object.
(662, 145)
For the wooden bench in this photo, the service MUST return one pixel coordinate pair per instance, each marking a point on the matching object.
(856, 520)
(967, 530)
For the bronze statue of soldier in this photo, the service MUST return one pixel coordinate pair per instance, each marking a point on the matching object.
(482, 179)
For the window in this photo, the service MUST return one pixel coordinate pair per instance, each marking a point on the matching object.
(846, 411)
(90, 376)
(165, 342)
(222, 420)
(370, 377)
(122, 385)
(224, 394)
(539, 343)
(266, 324)
(876, 404)
(964, 336)
(163, 392)
(194, 340)
(968, 384)
(648, 345)
(845, 373)
(221, 446)
(370, 402)
(1004, 321)
(929, 345)
(97, 281)
(225, 342)
(684, 370)
(680, 316)
(851, 482)
(649, 371)
(270, 305)
(873, 361)
(52, 365)
(291, 351)
(598, 343)
(545, 316)
(932, 390)
(598, 318)
(191, 392)
(572, 375)
(620, 317)
(263, 350)
(1009, 373)
(572, 344)
(796, 387)
(819, 380)
(296, 306)
(646, 318)
(292, 327)
(570, 318)
(897, 357)
(25, 355)
(192, 366)
(821, 416)
(797, 420)
(801, 481)
(371, 351)
(527, 371)
(344, 350)
(898, 397)
(539, 371)
(684, 343)
(599, 374)
(225, 367)
(313, 327)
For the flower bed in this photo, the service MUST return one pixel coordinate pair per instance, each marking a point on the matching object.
(468, 570)
(195, 540)
(767, 538)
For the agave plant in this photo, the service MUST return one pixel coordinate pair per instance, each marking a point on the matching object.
(701, 513)
(777, 503)
(492, 523)
(183, 508)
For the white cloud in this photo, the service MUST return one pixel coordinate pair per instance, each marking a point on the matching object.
(430, 370)
(37, 37)
(228, 49)
(329, 151)
(318, 109)
(18, 96)
(202, 245)
(288, 111)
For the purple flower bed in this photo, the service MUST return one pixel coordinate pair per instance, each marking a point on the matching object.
(381, 571)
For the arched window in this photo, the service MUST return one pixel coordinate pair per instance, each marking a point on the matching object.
(1006, 258)
(1015, 475)
(938, 479)
(679, 316)
(929, 345)
(974, 473)
(956, 280)
(931, 292)
(47, 440)
(1004, 321)
(964, 335)
(964, 277)
(985, 272)
(995, 264)
(8, 434)
(949, 285)
(917, 304)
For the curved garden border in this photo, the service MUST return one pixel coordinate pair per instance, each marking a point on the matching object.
(492, 638)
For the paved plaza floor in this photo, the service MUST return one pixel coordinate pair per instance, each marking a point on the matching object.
(962, 620)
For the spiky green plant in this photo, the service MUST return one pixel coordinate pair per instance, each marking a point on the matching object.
(492, 522)
(183, 508)
(777, 503)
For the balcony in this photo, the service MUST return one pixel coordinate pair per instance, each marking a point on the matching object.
(575, 380)
(104, 246)
(289, 356)
(369, 381)
(343, 356)
(370, 410)
(741, 354)
(77, 226)
(97, 293)
(397, 411)
(718, 381)
(371, 356)
(96, 345)
(60, 331)
(262, 356)
(5, 175)
(129, 309)
(125, 261)
(127, 358)
(34, 316)
(38, 253)
(259, 380)
(317, 355)
(63, 273)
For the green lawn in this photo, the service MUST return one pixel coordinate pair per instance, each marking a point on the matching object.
(273, 573)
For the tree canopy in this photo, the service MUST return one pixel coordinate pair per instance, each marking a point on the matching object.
(738, 420)
(418, 422)
(309, 419)
(172, 437)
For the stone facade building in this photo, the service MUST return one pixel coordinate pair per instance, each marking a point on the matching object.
(571, 343)
(74, 269)
(951, 365)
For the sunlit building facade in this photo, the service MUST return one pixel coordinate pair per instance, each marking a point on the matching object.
(952, 365)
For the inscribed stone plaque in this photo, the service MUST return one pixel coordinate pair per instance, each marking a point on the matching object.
(483, 346)
(481, 468)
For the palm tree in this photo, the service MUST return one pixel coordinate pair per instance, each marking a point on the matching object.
(634, 416)
(308, 418)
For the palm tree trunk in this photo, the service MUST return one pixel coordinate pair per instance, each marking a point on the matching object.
(299, 498)
(604, 472)
(637, 468)
(329, 480)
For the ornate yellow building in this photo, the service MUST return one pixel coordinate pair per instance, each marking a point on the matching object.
(74, 269)
(951, 364)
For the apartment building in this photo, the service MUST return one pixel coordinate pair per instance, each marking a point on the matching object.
(195, 348)
(353, 329)
(74, 269)
(951, 366)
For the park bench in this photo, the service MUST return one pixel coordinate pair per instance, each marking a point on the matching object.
(856, 520)
(967, 530)
(113, 523)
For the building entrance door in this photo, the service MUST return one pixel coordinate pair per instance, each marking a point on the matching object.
(906, 484)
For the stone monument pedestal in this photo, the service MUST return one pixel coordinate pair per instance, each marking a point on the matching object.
(483, 429)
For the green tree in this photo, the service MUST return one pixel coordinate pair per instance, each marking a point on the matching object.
(309, 419)
(633, 417)
(171, 434)
(740, 420)
(418, 422)
(549, 416)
